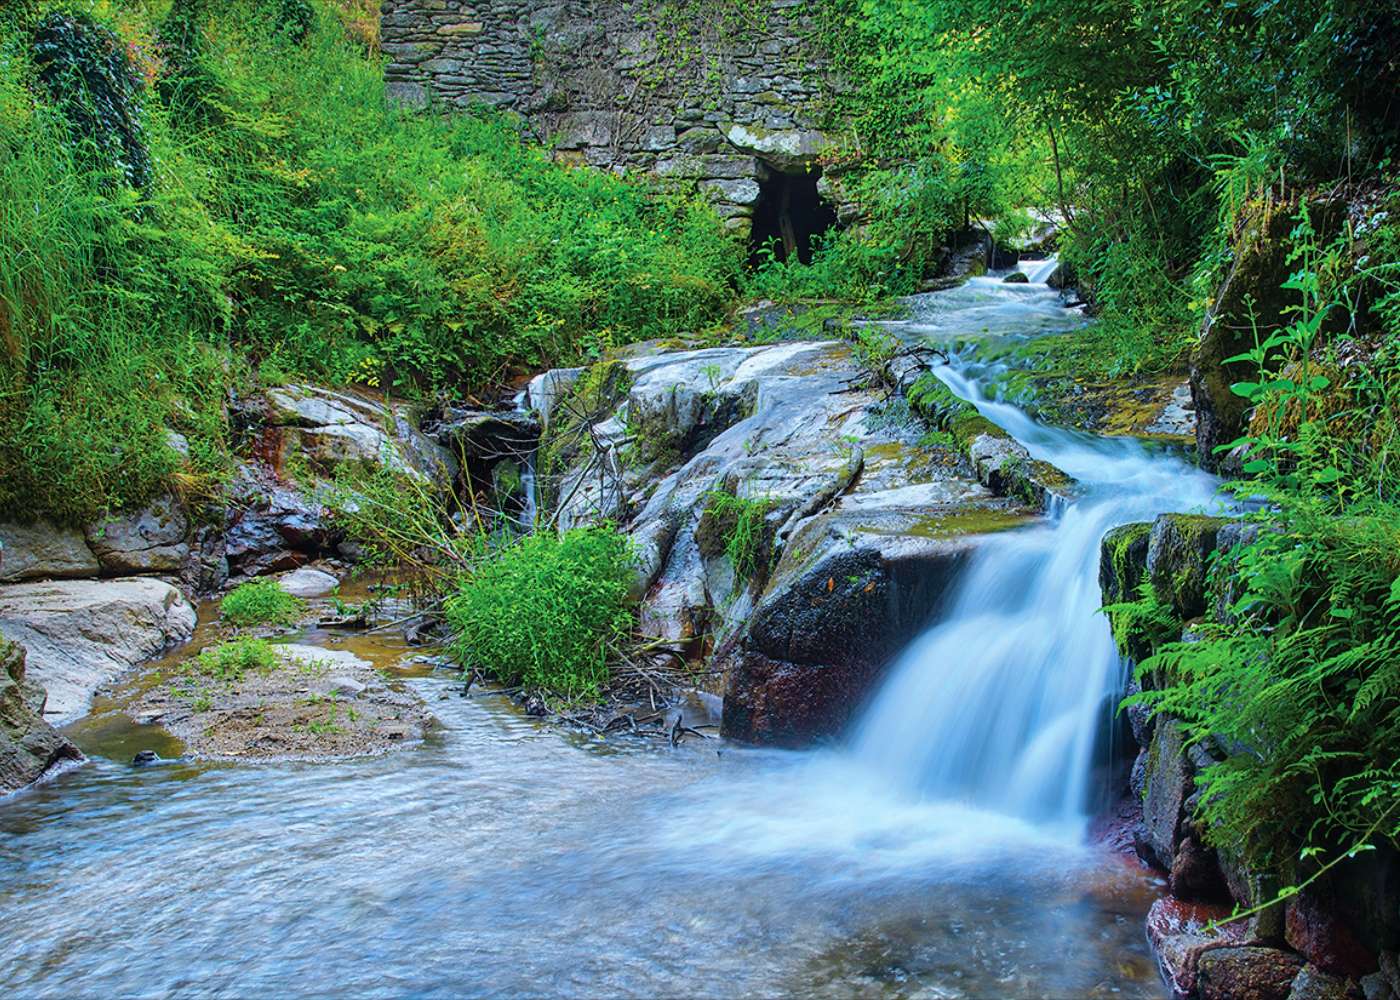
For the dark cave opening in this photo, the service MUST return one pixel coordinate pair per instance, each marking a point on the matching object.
(789, 214)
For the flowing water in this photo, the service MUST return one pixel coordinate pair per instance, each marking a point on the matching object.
(940, 854)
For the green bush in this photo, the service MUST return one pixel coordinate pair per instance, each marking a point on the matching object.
(291, 222)
(548, 612)
(260, 602)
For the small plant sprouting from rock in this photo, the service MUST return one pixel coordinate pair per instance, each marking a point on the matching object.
(260, 602)
(740, 526)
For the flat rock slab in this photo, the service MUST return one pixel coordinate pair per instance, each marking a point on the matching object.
(81, 634)
(317, 704)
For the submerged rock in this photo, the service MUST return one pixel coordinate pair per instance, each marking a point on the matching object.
(29, 746)
(80, 634)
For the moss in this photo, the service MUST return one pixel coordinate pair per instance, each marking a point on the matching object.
(957, 523)
(1179, 563)
(1123, 560)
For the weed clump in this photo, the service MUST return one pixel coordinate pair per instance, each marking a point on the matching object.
(547, 612)
(261, 602)
(228, 663)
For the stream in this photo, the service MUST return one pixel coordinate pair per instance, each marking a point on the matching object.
(939, 853)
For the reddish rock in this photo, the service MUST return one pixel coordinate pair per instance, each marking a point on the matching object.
(1180, 934)
(1313, 928)
(1196, 873)
(1247, 973)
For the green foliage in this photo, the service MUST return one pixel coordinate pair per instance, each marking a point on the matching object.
(738, 527)
(1143, 625)
(1300, 686)
(1293, 678)
(260, 602)
(548, 612)
(294, 223)
(227, 663)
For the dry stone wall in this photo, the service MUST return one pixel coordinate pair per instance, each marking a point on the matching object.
(725, 95)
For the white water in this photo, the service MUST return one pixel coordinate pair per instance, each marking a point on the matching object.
(985, 739)
(1005, 703)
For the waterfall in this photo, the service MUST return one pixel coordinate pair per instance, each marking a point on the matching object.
(1005, 703)
(529, 510)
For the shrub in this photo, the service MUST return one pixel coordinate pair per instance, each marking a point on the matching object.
(260, 602)
(548, 612)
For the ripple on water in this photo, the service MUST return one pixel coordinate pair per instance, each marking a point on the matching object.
(504, 858)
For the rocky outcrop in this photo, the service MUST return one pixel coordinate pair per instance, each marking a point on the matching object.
(1325, 940)
(788, 520)
(1250, 303)
(300, 437)
(43, 551)
(81, 634)
(29, 746)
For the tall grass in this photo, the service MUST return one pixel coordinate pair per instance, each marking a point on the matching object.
(298, 225)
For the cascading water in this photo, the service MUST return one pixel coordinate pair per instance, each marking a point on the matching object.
(913, 862)
(1005, 703)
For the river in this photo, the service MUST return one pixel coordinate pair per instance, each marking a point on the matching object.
(941, 853)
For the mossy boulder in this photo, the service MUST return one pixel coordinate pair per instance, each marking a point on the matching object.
(1250, 302)
(1179, 553)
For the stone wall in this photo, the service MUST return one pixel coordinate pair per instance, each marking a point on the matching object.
(723, 95)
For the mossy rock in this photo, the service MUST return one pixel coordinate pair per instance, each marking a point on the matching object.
(1178, 560)
(1123, 561)
(1250, 302)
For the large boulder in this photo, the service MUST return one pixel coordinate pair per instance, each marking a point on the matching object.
(43, 551)
(81, 634)
(29, 746)
(152, 540)
(784, 513)
(835, 618)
